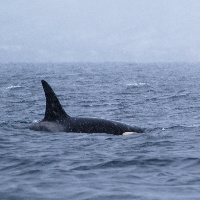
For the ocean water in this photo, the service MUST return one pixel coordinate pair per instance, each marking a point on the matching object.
(162, 163)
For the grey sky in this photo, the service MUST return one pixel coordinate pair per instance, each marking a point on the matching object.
(99, 30)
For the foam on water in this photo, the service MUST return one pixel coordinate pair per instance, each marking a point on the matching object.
(137, 84)
(14, 87)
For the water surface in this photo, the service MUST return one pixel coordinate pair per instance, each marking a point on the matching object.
(162, 163)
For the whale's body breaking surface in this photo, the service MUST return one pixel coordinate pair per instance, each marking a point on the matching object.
(57, 120)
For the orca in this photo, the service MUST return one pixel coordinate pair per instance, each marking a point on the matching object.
(57, 120)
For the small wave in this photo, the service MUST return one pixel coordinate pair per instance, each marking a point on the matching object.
(178, 96)
(137, 84)
(14, 87)
(192, 126)
(181, 126)
(121, 164)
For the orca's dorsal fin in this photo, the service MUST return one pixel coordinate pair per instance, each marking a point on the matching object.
(54, 110)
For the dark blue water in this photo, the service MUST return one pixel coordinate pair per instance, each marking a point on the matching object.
(162, 163)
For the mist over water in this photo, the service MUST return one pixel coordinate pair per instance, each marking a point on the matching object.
(162, 163)
(106, 31)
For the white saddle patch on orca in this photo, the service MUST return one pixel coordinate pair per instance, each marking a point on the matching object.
(47, 126)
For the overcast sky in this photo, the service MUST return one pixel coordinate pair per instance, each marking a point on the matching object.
(99, 30)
